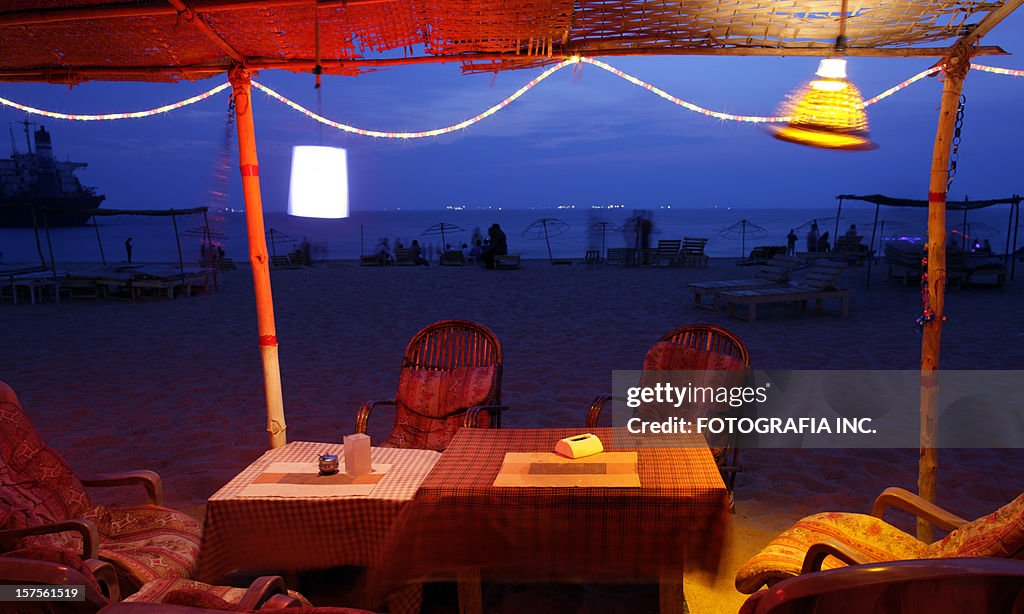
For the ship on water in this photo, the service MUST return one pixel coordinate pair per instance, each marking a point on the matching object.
(37, 189)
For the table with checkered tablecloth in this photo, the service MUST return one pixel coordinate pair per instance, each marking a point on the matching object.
(290, 533)
(459, 520)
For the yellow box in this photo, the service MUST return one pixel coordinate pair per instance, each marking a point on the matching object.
(579, 446)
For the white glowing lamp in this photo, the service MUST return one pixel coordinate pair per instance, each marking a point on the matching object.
(319, 182)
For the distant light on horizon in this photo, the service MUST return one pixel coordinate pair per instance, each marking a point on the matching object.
(319, 182)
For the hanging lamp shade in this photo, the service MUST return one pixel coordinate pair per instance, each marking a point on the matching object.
(319, 182)
(828, 112)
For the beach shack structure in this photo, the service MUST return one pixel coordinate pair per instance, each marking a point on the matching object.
(71, 41)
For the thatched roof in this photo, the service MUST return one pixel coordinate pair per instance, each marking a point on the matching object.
(167, 40)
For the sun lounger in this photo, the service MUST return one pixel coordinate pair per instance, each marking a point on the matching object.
(818, 284)
(506, 261)
(403, 257)
(621, 256)
(693, 252)
(668, 251)
(851, 249)
(835, 539)
(762, 254)
(773, 272)
(453, 258)
(284, 262)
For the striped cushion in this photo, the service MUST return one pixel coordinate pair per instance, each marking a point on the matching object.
(873, 538)
(1000, 534)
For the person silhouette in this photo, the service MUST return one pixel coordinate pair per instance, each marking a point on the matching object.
(128, 249)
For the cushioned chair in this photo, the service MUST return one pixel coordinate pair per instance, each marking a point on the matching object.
(56, 567)
(697, 347)
(935, 586)
(450, 378)
(43, 503)
(836, 539)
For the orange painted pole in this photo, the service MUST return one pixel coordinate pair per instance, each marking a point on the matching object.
(955, 70)
(240, 85)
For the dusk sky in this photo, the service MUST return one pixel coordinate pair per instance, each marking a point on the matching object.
(583, 136)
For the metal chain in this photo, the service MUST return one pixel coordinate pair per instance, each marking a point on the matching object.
(955, 154)
(927, 313)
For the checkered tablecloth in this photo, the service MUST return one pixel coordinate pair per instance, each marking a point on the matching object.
(294, 534)
(459, 519)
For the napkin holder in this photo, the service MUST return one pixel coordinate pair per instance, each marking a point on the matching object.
(579, 446)
(357, 454)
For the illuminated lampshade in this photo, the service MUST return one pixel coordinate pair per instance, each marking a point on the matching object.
(319, 183)
(828, 112)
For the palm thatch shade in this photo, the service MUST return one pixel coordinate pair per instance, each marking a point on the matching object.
(69, 41)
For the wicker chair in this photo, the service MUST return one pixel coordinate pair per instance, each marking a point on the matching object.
(450, 378)
(44, 504)
(943, 586)
(716, 348)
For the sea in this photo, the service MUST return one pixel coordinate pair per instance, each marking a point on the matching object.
(731, 232)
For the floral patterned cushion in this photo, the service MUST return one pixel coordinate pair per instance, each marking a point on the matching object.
(146, 542)
(192, 593)
(700, 369)
(36, 485)
(431, 404)
(1000, 534)
(668, 356)
(783, 558)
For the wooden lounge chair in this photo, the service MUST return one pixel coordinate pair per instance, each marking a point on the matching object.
(775, 271)
(693, 252)
(950, 586)
(852, 250)
(667, 252)
(622, 256)
(48, 506)
(403, 257)
(696, 347)
(52, 567)
(506, 261)
(592, 257)
(285, 262)
(832, 539)
(817, 284)
(762, 254)
(450, 378)
(453, 258)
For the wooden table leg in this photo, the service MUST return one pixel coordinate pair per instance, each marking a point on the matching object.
(671, 598)
(471, 599)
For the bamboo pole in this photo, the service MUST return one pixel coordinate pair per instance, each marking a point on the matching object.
(99, 241)
(955, 70)
(871, 247)
(177, 241)
(249, 163)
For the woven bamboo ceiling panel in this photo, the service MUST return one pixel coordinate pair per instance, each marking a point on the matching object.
(166, 40)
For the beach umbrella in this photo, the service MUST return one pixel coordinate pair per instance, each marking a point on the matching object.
(545, 228)
(603, 228)
(741, 230)
(442, 228)
(276, 236)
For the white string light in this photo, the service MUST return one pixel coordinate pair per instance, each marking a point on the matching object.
(489, 112)
(112, 116)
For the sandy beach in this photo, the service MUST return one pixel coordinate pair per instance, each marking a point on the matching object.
(176, 386)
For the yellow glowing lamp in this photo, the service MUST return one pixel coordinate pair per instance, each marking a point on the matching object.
(319, 182)
(828, 112)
